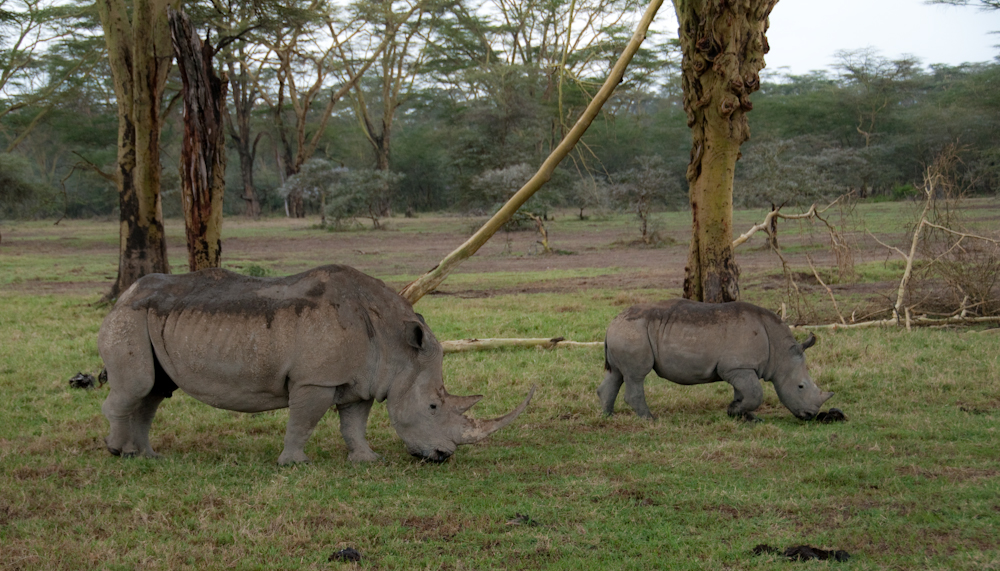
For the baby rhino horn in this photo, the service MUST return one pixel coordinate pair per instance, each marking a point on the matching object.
(474, 429)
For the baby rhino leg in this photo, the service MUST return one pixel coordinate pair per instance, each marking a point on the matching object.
(748, 394)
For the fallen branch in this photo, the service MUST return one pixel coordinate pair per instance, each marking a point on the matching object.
(430, 280)
(464, 345)
(913, 322)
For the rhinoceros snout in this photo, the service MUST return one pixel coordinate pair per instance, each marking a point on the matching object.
(807, 415)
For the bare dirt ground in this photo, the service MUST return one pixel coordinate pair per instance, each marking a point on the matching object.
(608, 253)
(598, 254)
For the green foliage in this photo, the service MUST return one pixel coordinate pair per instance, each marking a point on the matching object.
(904, 191)
(797, 171)
(15, 180)
(253, 270)
(642, 189)
(363, 193)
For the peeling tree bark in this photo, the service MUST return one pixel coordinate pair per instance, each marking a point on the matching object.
(139, 55)
(724, 43)
(203, 152)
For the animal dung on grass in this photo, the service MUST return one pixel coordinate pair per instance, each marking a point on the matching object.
(348, 554)
(802, 553)
(832, 415)
(82, 381)
(328, 337)
(692, 343)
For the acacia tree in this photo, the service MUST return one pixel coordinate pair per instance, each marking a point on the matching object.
(525, 69)
(305, 65)
(140, 53)
(399, 65)
(723, 43)
(876, 85)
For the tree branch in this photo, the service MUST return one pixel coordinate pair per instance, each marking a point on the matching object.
(430, 280)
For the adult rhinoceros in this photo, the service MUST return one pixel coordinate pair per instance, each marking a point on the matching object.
(331, 336)
(691, 343)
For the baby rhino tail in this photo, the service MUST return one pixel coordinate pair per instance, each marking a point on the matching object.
(607, 365)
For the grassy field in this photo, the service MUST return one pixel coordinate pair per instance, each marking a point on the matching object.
(910, 481)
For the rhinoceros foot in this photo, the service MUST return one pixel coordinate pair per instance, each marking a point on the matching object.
(129, 451)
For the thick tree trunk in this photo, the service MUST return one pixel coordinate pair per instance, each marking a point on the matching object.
(724, 45)
(139, 55)
(203, 152)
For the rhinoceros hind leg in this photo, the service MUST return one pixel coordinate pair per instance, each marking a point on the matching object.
(608, 391)
(353, 424)
(306, 406)
(747, 394)
(121, 408)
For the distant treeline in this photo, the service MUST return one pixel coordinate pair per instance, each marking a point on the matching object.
(462, 110)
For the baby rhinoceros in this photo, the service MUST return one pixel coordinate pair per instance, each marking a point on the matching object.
(691, 343)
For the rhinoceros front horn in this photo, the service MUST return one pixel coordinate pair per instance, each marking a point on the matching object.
(474, 429)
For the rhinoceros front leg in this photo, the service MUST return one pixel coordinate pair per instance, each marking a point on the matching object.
(353, 424)
(747, 393)
(306, 406)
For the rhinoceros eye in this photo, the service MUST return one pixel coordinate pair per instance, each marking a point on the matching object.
(800, 386)
(434, 406)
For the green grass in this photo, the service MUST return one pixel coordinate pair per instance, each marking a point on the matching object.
(911, 481)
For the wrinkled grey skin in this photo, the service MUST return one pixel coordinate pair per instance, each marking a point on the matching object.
(328, 337)
(691, 343)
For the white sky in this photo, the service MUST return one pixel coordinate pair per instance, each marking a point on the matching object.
(805, 34)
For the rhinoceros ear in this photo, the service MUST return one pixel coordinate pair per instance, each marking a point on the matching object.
(414, 334)
(809, 342)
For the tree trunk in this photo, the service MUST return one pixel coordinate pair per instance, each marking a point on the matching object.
(203, 152)
(724, 45)
(294, 206)
(239, 134)
(139, 57)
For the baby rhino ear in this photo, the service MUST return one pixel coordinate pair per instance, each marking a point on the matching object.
(415, 334)
(809, 342)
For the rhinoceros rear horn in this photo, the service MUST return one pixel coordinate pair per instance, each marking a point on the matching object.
(809, 342)
(462, 404)
(475, 429)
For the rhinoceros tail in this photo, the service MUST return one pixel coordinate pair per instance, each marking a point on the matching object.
(607, 365)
